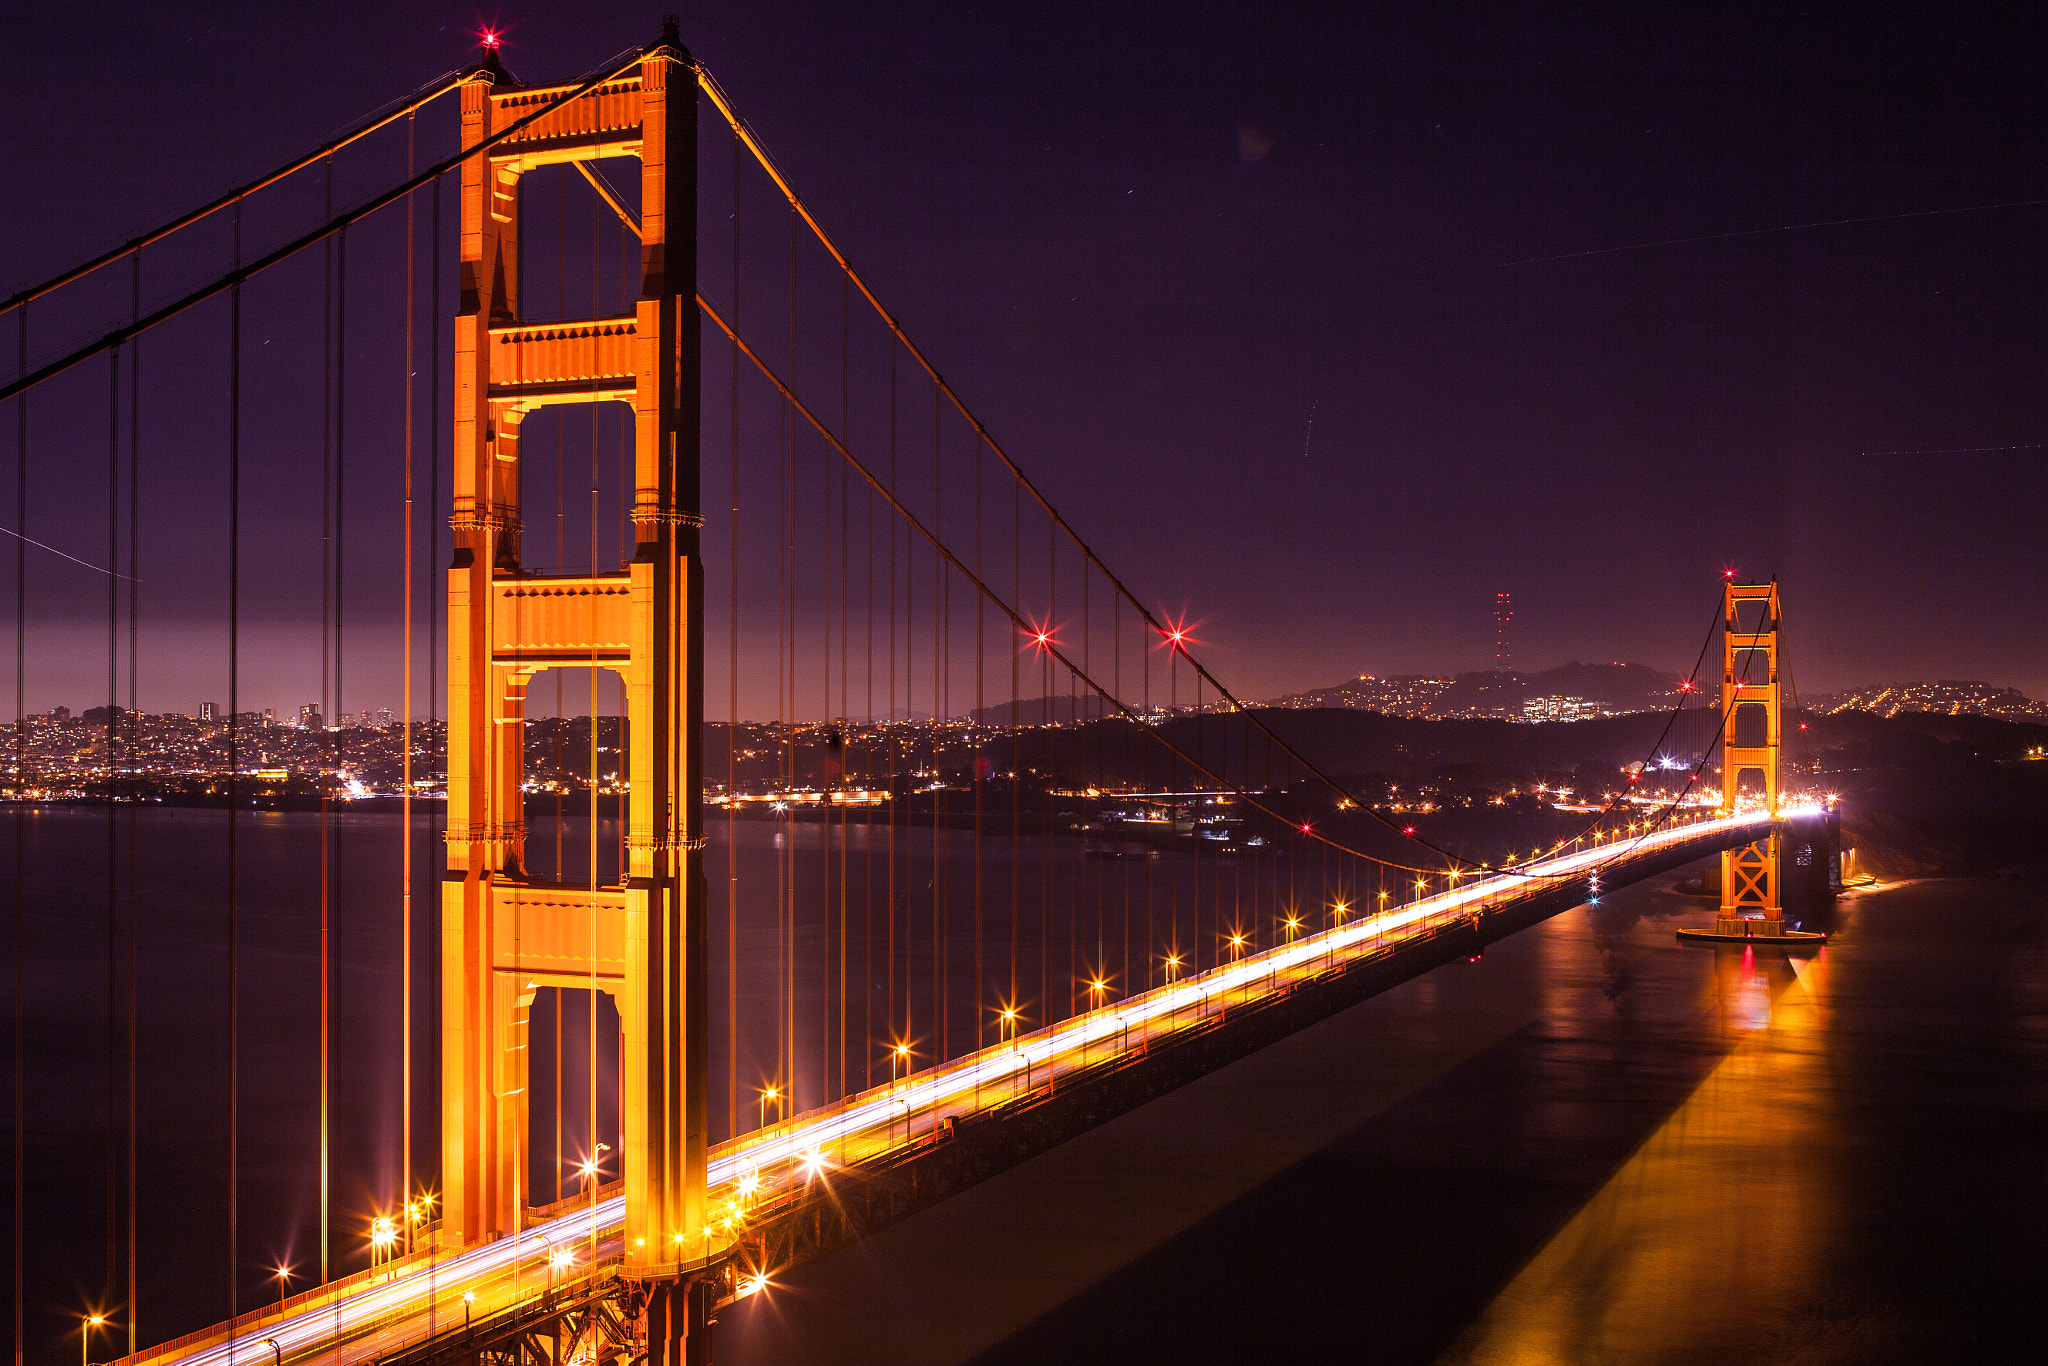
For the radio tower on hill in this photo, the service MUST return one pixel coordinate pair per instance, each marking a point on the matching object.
(1503, 613)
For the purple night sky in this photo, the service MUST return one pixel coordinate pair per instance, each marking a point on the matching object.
(1325, 326)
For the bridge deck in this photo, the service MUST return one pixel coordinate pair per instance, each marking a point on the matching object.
(768, 1172)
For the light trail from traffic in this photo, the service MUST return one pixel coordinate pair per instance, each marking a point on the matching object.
(863, 1127)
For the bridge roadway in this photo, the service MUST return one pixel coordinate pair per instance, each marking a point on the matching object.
(770, 1170)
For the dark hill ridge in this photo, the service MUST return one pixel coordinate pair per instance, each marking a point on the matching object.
(1616, 687)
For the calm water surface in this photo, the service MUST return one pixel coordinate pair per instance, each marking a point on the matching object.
(1594, 1145)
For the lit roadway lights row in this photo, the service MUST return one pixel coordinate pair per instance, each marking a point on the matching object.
(771, 1162)
(1085, 1037)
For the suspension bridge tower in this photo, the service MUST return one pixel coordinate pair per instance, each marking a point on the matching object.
(1751, 876)
(505, 933)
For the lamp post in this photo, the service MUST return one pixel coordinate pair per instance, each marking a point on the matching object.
(92, 1321)
(770, 1093)
(276, 1352)
(284, 1277)
(468, 1302)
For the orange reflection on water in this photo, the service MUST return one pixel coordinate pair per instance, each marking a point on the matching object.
(1709, 1233)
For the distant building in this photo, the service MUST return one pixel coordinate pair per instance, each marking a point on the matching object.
(1555, 707)
(209, 711)
(270, 716)
(1949, 697)
(309, 716)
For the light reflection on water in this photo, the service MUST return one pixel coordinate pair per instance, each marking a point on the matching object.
(1713, 1230)
(1595, 1145)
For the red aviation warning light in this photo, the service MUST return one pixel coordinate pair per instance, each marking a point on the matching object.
(1177, 634)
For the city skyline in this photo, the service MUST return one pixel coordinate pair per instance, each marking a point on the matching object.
(1857, 351)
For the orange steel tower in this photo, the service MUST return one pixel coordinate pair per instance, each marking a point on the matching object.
(504, 933)
(1749, 706)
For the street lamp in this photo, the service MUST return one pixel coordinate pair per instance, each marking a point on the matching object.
(468, 1302)
(383, 1238)
(1096, 988)
(770, 1093)
(1009, 1018)
(284, 1277)
(92, 1321)
(417, 1213)
(590, 1170)
(276, 1352)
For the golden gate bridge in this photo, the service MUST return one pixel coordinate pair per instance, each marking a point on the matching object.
(959, 681)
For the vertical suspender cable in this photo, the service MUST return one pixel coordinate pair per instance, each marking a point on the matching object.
(894, 794)
(405, 740)
(113, 887)
(435, 585)
(1016, 739)
(20, 827)
(732, 700)
(339, 531)
(596, 768)
(867, 1003)
(976, 775)
(234, 761)
(825, 798)
(324, 713)
(134, 905)
(938, 719)
(845, 631)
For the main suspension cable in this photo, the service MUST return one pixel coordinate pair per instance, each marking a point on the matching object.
(746, 135)
(404, 107)
(1023, 625)
(334, 225)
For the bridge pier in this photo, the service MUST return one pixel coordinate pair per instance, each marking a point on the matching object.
(677, 1321)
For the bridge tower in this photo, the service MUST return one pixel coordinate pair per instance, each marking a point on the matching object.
(1751, 876)
(504, 933)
